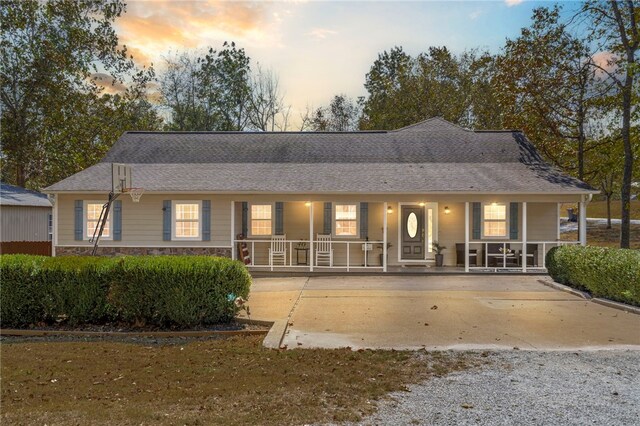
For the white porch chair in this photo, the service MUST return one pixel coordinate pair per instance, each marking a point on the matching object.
(323, 250)
(278, 249)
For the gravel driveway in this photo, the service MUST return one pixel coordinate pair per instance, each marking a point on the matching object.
(526, 387)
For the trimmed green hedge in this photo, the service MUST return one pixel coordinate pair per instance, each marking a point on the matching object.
(163, 291)
(604, 272)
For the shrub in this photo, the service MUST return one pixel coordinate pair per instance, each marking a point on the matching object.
(552, 266)
(604, 272)
(20, 295)
(167, 291)
(76, 288)
(182, 291)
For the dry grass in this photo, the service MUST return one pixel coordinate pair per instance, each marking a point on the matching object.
(599, 235)
(233, 382)
(598, 209)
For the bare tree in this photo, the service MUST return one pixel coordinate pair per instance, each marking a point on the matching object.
(283, 123)
(267, 108)
(306, 122)
(179, 89)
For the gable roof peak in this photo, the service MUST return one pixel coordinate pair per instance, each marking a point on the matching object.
(432, 123)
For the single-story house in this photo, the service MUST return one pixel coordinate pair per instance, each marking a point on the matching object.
(25, 221)
(348, 201)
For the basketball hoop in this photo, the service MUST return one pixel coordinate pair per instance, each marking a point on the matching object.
(135, 193)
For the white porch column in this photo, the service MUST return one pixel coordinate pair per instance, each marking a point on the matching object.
(466, 236)
(524, 236)
(311, 258)
(233, 229)
(582, 231)
(384, 237)
(558, 223)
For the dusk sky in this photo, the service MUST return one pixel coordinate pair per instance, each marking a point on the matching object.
(319, 49)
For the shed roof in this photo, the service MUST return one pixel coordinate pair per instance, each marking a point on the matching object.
(431, 156)
(16, 196)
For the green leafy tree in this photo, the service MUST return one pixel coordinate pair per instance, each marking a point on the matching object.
(225, 89)
(56, 119)
(384, 107)
(548, 88)
(613, 26)
(341, 115)
(179, 89)
(403, 90)
(208, 91)
(607, 175)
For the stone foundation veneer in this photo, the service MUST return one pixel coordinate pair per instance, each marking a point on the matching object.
(121, 251)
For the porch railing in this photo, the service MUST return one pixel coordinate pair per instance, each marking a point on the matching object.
(342, 256)
(504, 255)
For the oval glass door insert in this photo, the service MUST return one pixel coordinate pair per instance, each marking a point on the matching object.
(412, 225)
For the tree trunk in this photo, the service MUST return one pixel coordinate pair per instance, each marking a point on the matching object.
(625, 225)
(581, 140)
(21, 178)
(630, 45)
(608, 211)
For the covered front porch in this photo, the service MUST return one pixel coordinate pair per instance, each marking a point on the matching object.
(398, 235)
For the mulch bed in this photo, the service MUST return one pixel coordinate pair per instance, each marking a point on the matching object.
(126, 333)
(128, 328)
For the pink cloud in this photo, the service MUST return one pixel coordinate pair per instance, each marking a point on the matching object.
(150, 28)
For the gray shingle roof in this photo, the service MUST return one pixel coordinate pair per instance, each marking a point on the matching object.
(15, 196)
(432, 156)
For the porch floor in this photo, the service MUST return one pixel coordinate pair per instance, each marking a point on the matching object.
(391, 271)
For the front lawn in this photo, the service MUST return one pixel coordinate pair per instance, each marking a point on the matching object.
(231, 382)
(598, 209)
(599, 235)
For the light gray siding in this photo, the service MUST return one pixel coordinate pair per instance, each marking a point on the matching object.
(19, 223)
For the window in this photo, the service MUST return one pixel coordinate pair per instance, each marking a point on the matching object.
(346, 217)
(92, 217)
(186, 223)
(261, 219)
(494, 222)
(50, 226)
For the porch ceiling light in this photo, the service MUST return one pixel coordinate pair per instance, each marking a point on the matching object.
(421, 204)
(446, 210)
(308, 204)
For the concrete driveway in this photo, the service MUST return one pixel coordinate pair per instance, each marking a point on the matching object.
(438, 312)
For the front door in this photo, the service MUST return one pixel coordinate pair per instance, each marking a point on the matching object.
(412, 242)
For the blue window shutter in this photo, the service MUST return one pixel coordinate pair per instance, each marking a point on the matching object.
(364, 220)
(513, 221)
(327, 219)
(476, 221)
(279, 218)
(206, 220)
(166, 220)
(245, 218)
(78, 221)
(117, 220)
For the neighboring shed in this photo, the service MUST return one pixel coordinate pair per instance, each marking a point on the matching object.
(25, 221)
